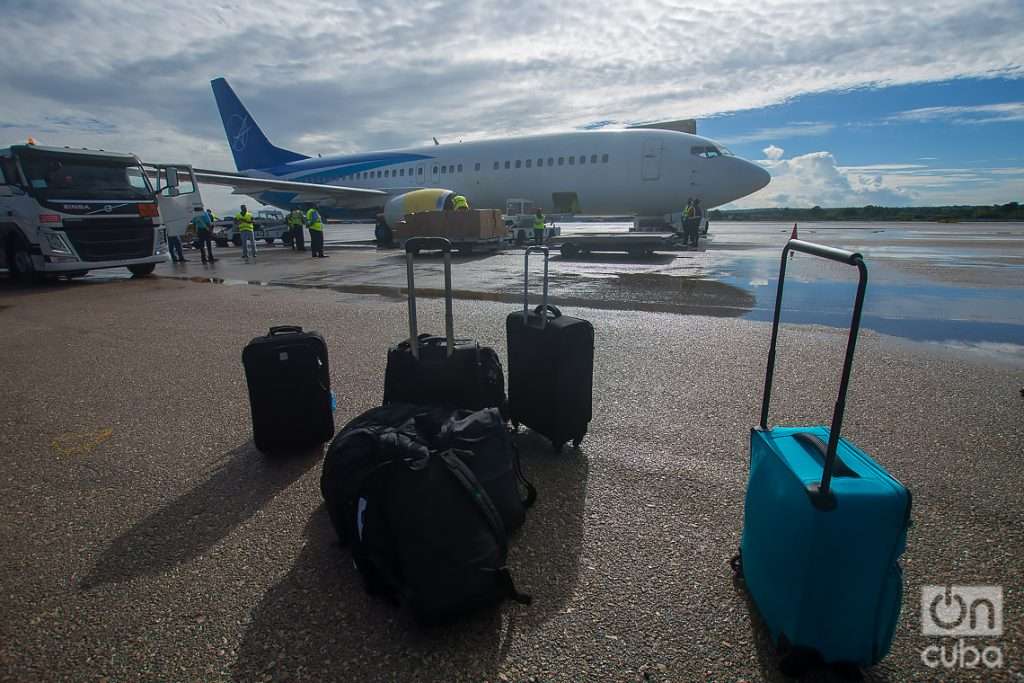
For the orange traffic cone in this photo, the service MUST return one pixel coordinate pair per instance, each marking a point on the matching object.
(794, 236)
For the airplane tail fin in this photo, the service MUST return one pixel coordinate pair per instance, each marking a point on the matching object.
(249, 145)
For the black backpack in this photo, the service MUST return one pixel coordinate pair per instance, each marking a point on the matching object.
(423, 527)
(431, 537)
(485, 445)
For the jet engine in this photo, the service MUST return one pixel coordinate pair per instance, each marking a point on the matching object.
(416, 201)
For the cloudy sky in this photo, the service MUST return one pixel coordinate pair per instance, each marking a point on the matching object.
(918, 102)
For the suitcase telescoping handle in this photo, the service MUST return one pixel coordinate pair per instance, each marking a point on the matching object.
(526, 285)
(413, 245)
(821, 493)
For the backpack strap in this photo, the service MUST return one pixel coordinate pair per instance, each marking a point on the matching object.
(478, 495)
(531, 492)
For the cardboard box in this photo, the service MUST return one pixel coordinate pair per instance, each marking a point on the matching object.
(457, 226)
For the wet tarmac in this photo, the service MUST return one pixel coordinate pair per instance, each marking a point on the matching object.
(957, 285)
(146, 539)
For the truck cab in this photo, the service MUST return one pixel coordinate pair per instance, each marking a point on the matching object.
(67, 211)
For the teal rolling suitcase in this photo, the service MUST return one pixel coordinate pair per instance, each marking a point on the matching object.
(824, 525)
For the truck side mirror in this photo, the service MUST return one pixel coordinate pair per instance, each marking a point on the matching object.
(172, 176)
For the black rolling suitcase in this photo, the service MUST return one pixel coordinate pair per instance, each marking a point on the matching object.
(289, 389)
(550, 367)
(425, 369)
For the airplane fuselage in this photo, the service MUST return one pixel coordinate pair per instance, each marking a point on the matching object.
(621, 172)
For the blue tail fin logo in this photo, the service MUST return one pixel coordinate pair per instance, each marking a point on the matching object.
(249, 146)
(242, 127)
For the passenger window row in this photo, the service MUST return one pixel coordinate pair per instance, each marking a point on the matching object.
(446, 169)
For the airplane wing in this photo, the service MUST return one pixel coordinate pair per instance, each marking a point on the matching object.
(311, 193)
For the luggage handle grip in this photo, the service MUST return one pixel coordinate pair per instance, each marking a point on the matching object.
(412, 245)
(824, 251)
(526, 284)
(285, 329)
(416, 243)
(821, 493)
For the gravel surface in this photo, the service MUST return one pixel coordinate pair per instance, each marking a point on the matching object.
(146, 540)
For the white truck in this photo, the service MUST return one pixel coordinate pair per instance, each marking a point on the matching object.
(67, 211)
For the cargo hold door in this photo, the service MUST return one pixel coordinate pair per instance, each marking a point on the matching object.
(652, 160)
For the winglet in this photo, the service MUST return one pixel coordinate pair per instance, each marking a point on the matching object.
(249, 145)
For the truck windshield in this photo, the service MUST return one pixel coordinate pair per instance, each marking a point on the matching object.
(66, 176)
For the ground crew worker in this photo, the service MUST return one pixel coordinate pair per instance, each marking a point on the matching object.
(688, 222)
(295, 222)
(698, 214)
(316, 232)
(538, 227)
(244, 221)
(459, 203)
(204, 235)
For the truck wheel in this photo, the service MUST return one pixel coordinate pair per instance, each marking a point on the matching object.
(269, 240)
(236, 240)
(142, 269)
(569, 250)
(286, 239)
(76, 274)
(21, 265)
(222, 243)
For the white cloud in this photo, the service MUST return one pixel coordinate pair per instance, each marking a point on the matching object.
(773, 153)
(982, 113)
(816, 179)
(793, 130)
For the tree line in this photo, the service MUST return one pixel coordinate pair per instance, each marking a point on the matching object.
(949, 214)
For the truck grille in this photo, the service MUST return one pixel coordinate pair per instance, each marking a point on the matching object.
(107, 239)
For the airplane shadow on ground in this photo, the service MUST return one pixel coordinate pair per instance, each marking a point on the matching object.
(808, 669)
(188, 526)
(318, 623)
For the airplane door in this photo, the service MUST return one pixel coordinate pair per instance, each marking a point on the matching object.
(435, 177)
(652, 160)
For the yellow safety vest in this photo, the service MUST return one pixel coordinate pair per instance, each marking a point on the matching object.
(459, 202)
(294, 220)
(244, 221)
(538, 222)
(313, 220)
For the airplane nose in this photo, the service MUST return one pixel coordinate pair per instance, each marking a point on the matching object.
(757, 176)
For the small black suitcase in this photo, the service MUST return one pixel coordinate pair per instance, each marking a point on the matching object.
(425, 369)
(289, 382)
(550, 367)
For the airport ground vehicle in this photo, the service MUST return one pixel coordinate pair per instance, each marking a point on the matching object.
(519, 220)
(633, 243)
(268, 224)
(68, 211)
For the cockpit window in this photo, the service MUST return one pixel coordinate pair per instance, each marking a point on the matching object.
(706, 151)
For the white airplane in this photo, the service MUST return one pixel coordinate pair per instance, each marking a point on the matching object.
(643, 172)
